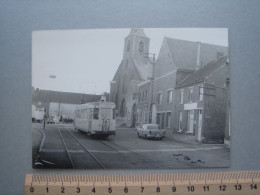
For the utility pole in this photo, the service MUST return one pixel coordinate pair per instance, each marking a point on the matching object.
(152, 84)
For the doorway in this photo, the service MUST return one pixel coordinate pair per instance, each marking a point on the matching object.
(199, 125)
(190, 121)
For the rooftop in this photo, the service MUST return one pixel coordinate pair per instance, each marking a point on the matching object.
(204, 72)
(184, 53)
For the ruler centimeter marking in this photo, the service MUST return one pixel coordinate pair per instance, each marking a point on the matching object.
(231, 183)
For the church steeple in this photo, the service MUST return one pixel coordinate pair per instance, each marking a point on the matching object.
(136, 46)
(137, 31)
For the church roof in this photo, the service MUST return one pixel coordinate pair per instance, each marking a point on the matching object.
(204, 72)
(184, 53)
(138, 31)
(63, 97)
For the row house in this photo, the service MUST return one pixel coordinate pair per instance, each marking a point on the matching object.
(176, 60)
(202, 103)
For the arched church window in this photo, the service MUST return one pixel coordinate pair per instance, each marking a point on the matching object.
(128, 46)
(141, 46)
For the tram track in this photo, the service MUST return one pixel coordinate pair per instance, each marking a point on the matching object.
(66, 149)
(141, 155)
(101, 165)
(113, 148)
(108, 145)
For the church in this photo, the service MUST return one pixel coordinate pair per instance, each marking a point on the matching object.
(133, 69)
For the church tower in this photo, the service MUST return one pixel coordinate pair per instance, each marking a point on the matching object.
(137, 46)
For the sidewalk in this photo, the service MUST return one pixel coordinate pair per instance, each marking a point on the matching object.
(181, 138)
(37, 137)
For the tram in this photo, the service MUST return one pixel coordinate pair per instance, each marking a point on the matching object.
(96, 118)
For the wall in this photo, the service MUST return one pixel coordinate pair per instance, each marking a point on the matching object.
(214, 116)
(58, 109)
(144, 96)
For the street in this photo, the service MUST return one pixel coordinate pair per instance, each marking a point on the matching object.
(63, 146)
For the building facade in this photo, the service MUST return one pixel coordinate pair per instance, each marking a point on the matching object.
(202, 102)
(144, 102)
(177, 60)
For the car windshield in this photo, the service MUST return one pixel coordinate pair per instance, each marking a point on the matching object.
(152, 127)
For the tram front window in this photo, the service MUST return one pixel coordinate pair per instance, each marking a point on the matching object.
(96, 113)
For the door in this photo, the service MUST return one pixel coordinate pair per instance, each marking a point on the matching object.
(190, 121)
(180, 122)
(199, 125)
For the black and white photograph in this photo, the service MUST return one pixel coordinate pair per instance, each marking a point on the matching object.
(137, 98)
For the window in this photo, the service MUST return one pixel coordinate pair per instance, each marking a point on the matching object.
(190, 94)
(201, 92)
(159, 98)
(141, 46)
(168, 120)
(84, 113)
(146, 95)
(181, 97)
(169, 98)
(96, 113)
(90, 113)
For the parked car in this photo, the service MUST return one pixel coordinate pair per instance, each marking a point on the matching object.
(52, 120)
(150, 131)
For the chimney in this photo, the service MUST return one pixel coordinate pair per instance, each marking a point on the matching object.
(198, 66)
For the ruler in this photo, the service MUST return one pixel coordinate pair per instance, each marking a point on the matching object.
(231, 183)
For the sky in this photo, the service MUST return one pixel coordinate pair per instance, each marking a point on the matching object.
(85, 61)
